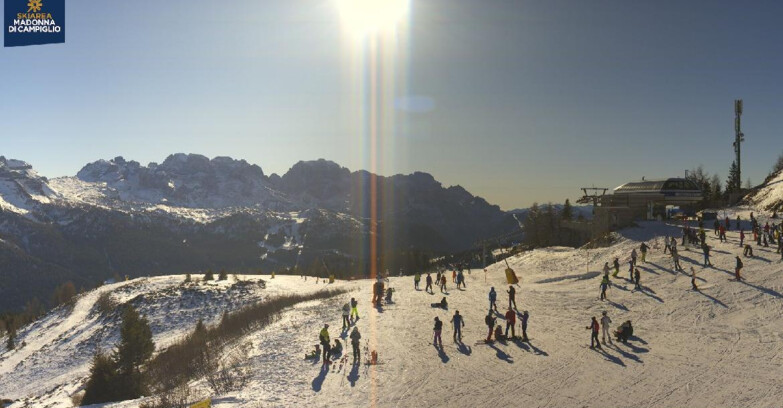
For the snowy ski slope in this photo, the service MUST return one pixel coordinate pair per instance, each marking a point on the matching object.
(717, 348)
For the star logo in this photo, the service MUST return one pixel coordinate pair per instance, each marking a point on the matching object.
(35, 5)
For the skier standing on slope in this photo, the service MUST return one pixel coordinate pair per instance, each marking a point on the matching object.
(489, 320)
(512, 294)
(493, 296)
(436, 341)
(605, 321)
(428, 288)
(706, 250)
(354, 310)
(676, 258)
(633, 257)
(666, 245)
(616, 267)
(511, 321)
(604, 286)
(643, 248)
(416, 280)
(346, 313)
(523, 321)
(323, 337)
(443, 283)
(630, 270)
(454, 276)
(742, 238)
(637, 277)
(593, 327)
(461, 279)
(738, 269)
(458, 323)
(355, 337)
(693, 279)
(606, 268)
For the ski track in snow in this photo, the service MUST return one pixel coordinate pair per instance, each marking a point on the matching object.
(718, 348)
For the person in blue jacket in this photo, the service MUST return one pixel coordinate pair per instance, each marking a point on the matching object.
(493, 296)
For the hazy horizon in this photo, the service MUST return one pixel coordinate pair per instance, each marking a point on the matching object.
(517, 102)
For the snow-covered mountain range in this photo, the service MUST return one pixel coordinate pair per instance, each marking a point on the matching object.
(190, 212)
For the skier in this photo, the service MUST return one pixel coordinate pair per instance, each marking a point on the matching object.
(606, 268)
(436, 341)
(511, 321)
(616, 267)
(693, 280)
(443, 283)
(416, 280)
(604, 286)
(748, 251)
(728, 226)
(630, 270)
(428, 288)
(722, 234)
(442, 304)
(593, 327)
(666, 245)
(605, 320)
(458, 323)
(637, 277)
(676, 257)
(633, 257)
(355, 337)
(489, 320)
(706, 249)
(454, 276)
(337, 349)
(323, 337)
(643, 248)
(493, 296)
(346, 313)
(461, 279)
(738, 269)
(523, 321)
(512, 294)
(354, 310)
(742, 238)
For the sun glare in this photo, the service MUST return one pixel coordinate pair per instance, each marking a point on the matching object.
(372, 16)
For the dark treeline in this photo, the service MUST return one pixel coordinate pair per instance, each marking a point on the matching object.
(546, 226)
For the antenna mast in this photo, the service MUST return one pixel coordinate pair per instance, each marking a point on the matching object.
(738, 138)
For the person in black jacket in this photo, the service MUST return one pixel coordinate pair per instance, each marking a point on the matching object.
(355, 337)
(436, 341)
(490, 322)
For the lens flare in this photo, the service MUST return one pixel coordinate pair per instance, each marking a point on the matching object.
(364, 17)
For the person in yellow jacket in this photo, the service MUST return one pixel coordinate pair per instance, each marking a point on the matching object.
(323, 337)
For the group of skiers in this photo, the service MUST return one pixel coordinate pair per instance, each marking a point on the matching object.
(762, 235)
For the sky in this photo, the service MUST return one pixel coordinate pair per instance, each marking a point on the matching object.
(517, 101)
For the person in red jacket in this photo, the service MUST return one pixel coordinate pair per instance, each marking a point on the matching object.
(594, 327)
(511, 320)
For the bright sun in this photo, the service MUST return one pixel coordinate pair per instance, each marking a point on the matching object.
(372, 16)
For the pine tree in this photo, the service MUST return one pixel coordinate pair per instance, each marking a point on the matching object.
(188, 279)
(208, 276)
(10, 343)
(568, 212)
(733, 182)
(102, 385)
(134, 350)
(778, 165)
(223, 275)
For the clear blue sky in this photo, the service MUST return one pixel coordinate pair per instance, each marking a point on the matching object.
(530, 100)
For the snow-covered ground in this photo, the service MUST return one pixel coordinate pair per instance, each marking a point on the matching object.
(716, 348)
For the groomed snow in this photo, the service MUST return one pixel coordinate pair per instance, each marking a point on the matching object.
(717, 348)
